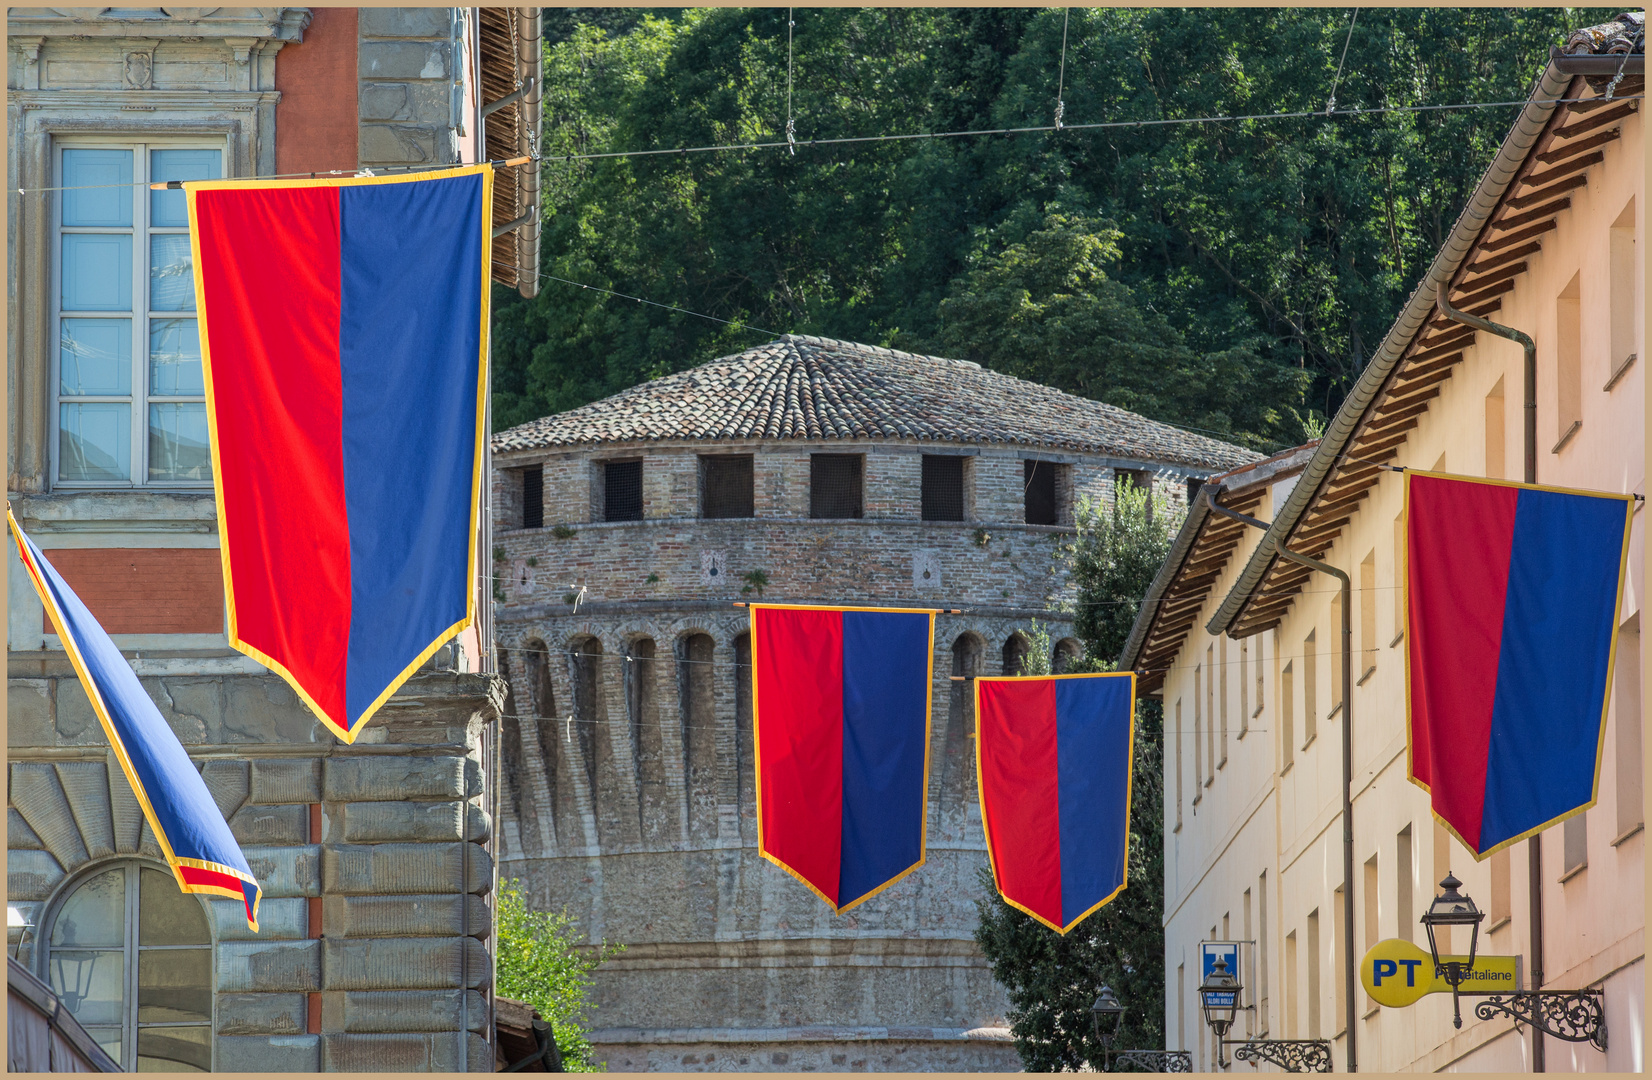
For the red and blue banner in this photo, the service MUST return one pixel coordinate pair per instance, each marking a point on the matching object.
(841, 727)
(343, 338)
(1053, 755)
(1512, 600)
(191, 830)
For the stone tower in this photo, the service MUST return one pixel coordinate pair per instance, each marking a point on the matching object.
(808, 471)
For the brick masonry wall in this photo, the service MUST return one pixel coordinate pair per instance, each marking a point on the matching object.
(628, 756)
(375, 941)
(145, 590)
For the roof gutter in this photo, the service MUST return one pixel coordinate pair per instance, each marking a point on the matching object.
(1494, 184)
(1186, 537)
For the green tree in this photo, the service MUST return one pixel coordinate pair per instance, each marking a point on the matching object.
(543, 962)
(1052, 979)
(1046, 308)
(1262, 245)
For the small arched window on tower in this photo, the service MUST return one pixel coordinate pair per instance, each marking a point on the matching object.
(1067, 655)
(1016, 650)
(130, 956)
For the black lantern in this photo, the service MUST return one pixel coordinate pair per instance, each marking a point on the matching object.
(1452, 908)
(1219, 997)
(1108, 1017)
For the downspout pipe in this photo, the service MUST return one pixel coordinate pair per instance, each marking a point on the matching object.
(530, 62)
(1534, 846)
(1350, 1008)
(1527, 344)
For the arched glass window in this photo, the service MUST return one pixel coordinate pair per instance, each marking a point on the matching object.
(131, 957)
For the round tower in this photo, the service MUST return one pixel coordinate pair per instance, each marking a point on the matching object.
(801, 471)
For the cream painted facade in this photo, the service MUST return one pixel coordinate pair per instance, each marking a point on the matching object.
(1253, 759)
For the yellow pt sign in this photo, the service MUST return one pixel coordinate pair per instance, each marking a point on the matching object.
(1397, 973)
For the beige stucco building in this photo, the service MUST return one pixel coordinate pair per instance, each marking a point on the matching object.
(1242, 645)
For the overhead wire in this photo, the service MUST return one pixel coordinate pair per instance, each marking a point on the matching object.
(854, 140)
(1331, 102)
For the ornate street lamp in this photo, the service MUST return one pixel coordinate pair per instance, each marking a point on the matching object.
(1449, 909)
(1107, 1014)
(1571, 1015)
(1219, 997)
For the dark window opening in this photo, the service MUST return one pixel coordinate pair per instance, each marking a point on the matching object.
(1040, 492)
(835, 486)
(1140, 479)
(622, 491)
(943, 488)
(533, 497)
(726, 486)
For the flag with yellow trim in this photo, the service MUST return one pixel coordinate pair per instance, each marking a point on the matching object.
(192, 832)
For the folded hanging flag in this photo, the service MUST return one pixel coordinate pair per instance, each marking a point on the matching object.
(841, 727)
(1512, 599)
(190, 828)
(343, 337)
(1053, 755)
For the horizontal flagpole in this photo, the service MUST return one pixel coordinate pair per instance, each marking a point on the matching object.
(504, 163)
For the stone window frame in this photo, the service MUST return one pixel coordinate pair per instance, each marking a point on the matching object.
(142, 230)
(133, 865)
(244, 122)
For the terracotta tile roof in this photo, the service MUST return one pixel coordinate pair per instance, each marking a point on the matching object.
(1624, 34)
(818, 389)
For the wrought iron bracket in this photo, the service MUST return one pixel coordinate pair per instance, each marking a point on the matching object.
(1161, 1061)
(1571, 1015)
(1292, 1055)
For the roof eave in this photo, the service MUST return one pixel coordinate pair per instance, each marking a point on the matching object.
(1245, 478)
(1540, 106)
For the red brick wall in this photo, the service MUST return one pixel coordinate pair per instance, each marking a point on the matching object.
(315, 120)
(146, 590)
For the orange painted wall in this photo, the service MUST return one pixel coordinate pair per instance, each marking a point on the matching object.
(315, 120)
(146, 590)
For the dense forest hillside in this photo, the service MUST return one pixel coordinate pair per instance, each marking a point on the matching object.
(1227, 275)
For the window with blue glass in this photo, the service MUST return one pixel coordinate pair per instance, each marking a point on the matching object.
(131, 403)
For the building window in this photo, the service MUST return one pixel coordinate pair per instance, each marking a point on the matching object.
(1139, 479)
(622, 491)
(1368, 614)
(1626, 719)
(1404, 877)
(1568, 363)
(1575, 843)
(1496, 436)
(1179, 765)
(726, 486)
(1016, 654)
(533, 497)
(131, 957)
(1310, 684)
(1039, 490)
(1287, 707)
(1198, 738)
(130, 400)
(943, 487)
(835, 487)
(1622, 288)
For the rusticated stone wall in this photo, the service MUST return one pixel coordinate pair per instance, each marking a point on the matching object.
(374, 950)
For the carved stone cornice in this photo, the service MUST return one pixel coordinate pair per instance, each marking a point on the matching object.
(265, 24)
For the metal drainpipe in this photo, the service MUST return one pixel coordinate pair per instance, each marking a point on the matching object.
(1534, 846)
(530, 66)
(1350, 1008)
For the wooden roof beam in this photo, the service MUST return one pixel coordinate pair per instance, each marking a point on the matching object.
(1599, 120)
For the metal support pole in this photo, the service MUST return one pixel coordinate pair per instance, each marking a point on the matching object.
(1534, 846)
(1350, 1008)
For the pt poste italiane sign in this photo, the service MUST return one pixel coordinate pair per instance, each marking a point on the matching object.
(1397, 973)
